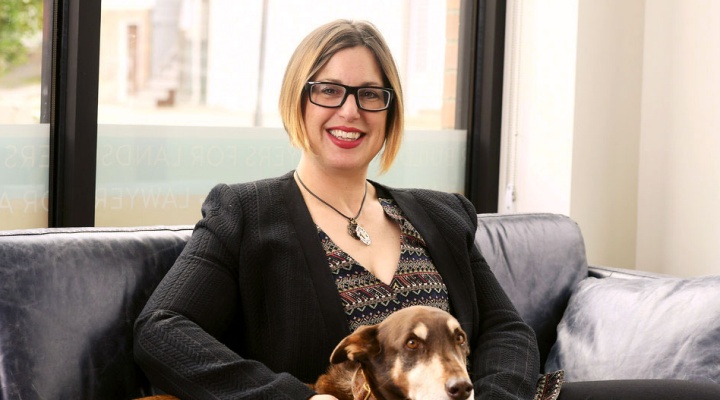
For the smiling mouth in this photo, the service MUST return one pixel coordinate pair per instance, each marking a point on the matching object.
(343, 135)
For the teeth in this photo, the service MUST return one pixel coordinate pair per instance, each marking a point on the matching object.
(345, 135)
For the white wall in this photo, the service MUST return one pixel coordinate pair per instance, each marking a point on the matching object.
(679, 175)
(641, 130)
(607, 126)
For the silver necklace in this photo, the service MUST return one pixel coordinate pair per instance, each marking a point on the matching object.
(353, 228)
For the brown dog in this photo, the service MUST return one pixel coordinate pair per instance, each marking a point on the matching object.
(417, 353)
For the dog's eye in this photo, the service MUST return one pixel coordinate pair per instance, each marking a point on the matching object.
(412, 344)
(460, 339)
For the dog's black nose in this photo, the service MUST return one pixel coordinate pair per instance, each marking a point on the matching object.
(459, 388)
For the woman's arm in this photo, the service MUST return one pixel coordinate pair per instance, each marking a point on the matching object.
(505, 361)
(176, 335)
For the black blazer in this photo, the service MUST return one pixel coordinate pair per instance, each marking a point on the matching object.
(251, 310)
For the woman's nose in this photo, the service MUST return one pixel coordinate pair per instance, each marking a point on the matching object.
(350, 109)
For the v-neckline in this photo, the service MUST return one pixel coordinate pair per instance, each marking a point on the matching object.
(353, 261)
(385, 204)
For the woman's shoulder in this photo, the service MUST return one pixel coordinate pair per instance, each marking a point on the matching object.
(437, 195)
(251, 192)
(428, 196)
(259, 185)
(438, 204)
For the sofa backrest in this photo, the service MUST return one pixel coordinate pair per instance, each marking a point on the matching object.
(68, 301)
(538, 259)
(69, 297)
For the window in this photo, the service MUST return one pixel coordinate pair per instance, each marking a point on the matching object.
(25, 55)
(188, 95)
(145, 96)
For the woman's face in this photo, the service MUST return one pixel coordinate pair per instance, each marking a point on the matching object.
(347, 137)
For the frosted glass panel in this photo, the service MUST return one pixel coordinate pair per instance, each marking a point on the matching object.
(150, 175)
(24, 168)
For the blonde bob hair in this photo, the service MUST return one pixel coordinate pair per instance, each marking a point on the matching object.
(313, 53)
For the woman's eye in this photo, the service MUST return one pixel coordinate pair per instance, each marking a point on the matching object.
(329, 91)
(370, 94)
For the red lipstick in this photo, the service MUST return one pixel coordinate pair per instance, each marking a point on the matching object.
(345, 143)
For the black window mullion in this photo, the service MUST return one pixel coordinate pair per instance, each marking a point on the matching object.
(73, 122)
(487, 38)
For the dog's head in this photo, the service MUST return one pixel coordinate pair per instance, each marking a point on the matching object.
(416, 353)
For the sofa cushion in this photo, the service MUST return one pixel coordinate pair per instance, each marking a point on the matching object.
(538, 259)
(664, 328)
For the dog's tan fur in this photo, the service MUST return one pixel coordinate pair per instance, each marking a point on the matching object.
(417, 353)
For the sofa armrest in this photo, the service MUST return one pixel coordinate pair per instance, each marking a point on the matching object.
(601, 271)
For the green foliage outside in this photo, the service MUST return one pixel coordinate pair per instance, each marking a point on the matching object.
(19, 21)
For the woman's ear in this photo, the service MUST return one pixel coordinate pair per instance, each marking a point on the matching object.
(357, 346)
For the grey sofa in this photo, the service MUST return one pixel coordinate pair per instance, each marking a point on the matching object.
(602, 323)
(69, 297)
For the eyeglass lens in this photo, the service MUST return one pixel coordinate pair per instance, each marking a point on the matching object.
(332, 95)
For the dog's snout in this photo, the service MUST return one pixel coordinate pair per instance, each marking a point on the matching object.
(459, 388)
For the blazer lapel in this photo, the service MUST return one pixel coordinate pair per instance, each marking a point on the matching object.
(446, 261)
(336, 324)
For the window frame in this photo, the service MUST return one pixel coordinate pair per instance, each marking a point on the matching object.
(486, 27)
(74, 105)
(73, 119)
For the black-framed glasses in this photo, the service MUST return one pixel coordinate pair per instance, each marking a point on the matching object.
(333, 95)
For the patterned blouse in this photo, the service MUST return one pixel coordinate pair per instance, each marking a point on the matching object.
(366, 299)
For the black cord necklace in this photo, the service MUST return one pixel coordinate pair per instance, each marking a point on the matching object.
(353, 228)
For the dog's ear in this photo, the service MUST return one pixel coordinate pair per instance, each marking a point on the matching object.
(358, 346)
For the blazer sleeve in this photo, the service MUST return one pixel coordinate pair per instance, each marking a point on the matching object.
(505, 360)
(176, 335)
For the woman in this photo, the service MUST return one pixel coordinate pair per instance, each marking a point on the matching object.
(278, 271)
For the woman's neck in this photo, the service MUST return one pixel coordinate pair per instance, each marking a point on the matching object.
(343, 189)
